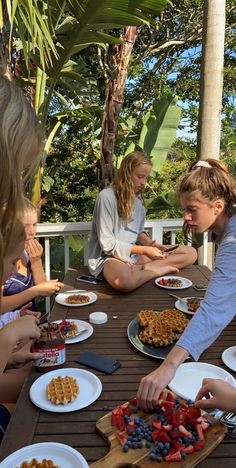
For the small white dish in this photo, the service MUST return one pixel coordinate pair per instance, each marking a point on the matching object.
(61, 298)
(97, 318)
(186, 283)
(229, 358)
(82, 326)
(90, 388)
(183, 306)
(189, 376)
(60, 454)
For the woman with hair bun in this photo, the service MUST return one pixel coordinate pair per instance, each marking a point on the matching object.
(119, 247)
(207, 195)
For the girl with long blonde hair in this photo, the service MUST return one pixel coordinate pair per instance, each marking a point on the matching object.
(207, 195)
(119, 247)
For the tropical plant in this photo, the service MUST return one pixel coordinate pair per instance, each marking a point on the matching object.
(73, 27)
(158, 131)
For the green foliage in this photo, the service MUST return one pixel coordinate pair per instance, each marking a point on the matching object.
(159, 125)
(72, 167)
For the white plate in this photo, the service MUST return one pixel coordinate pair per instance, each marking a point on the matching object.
(229, 357)
(183, 307)
(60, 298)
(61, 454)
(189, 376)
(90, 388)
(82, 325)
(186, 283)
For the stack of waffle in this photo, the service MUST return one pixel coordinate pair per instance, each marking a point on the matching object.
(161, 328)
(62, 390)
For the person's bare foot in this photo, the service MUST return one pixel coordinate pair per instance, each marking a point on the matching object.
(160, 270)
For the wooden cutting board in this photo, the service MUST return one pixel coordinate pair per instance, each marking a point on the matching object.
(139, 458)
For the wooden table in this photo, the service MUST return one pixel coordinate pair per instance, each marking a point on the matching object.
(31, 425)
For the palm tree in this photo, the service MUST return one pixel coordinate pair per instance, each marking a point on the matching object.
(209, 122)
(50, 33)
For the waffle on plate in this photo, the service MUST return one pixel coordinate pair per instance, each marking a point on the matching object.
(77, 299)
(34, 463)
(62, 390)
(161, 328)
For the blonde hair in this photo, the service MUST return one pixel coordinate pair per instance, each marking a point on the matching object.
(28, 206)
(20, 148)
(123, 184)
(211, 183)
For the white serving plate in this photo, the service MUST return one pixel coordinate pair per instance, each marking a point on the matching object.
(61, 298)
(90, 388)
(189, 376)
(61, 454)
(186, 283)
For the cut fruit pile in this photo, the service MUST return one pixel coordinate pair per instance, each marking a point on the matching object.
(176, 430)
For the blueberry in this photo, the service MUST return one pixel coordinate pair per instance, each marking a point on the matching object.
(139, 444)
(184, 455)
(165, 452)
(148, 444)
(167, 445)
(153, 456)
(125, 448)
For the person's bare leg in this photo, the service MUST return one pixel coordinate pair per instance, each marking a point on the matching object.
(126, 278)
(10, 385)
(180, 258)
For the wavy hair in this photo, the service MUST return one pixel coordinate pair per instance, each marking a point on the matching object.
(21, 142)
(210, 183)
(123, 184)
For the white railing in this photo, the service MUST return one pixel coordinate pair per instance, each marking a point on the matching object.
(156, 229)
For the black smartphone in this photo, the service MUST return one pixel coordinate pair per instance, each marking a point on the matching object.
(170, 249)
(90, 279)
(98, 362)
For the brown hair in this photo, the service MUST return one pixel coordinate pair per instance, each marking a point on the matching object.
(123, 184)
(21, 141)
(211, 183)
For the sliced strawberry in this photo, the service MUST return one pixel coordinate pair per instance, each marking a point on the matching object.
(176, 434)
(177, 445)
(114, 420)
(199, 445)
(199, 431)
(121, 423)
(189, 449)
(160, 436)
(156, 423)
(128, 412)
(167, 427)
(193, 412)
(121, 437)
(173, 457)
(168, 404)
(177, 418)
(170, 397)
(131, 427)
(133, 401)
(205, 425)
(184, 431)
(117, 410)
